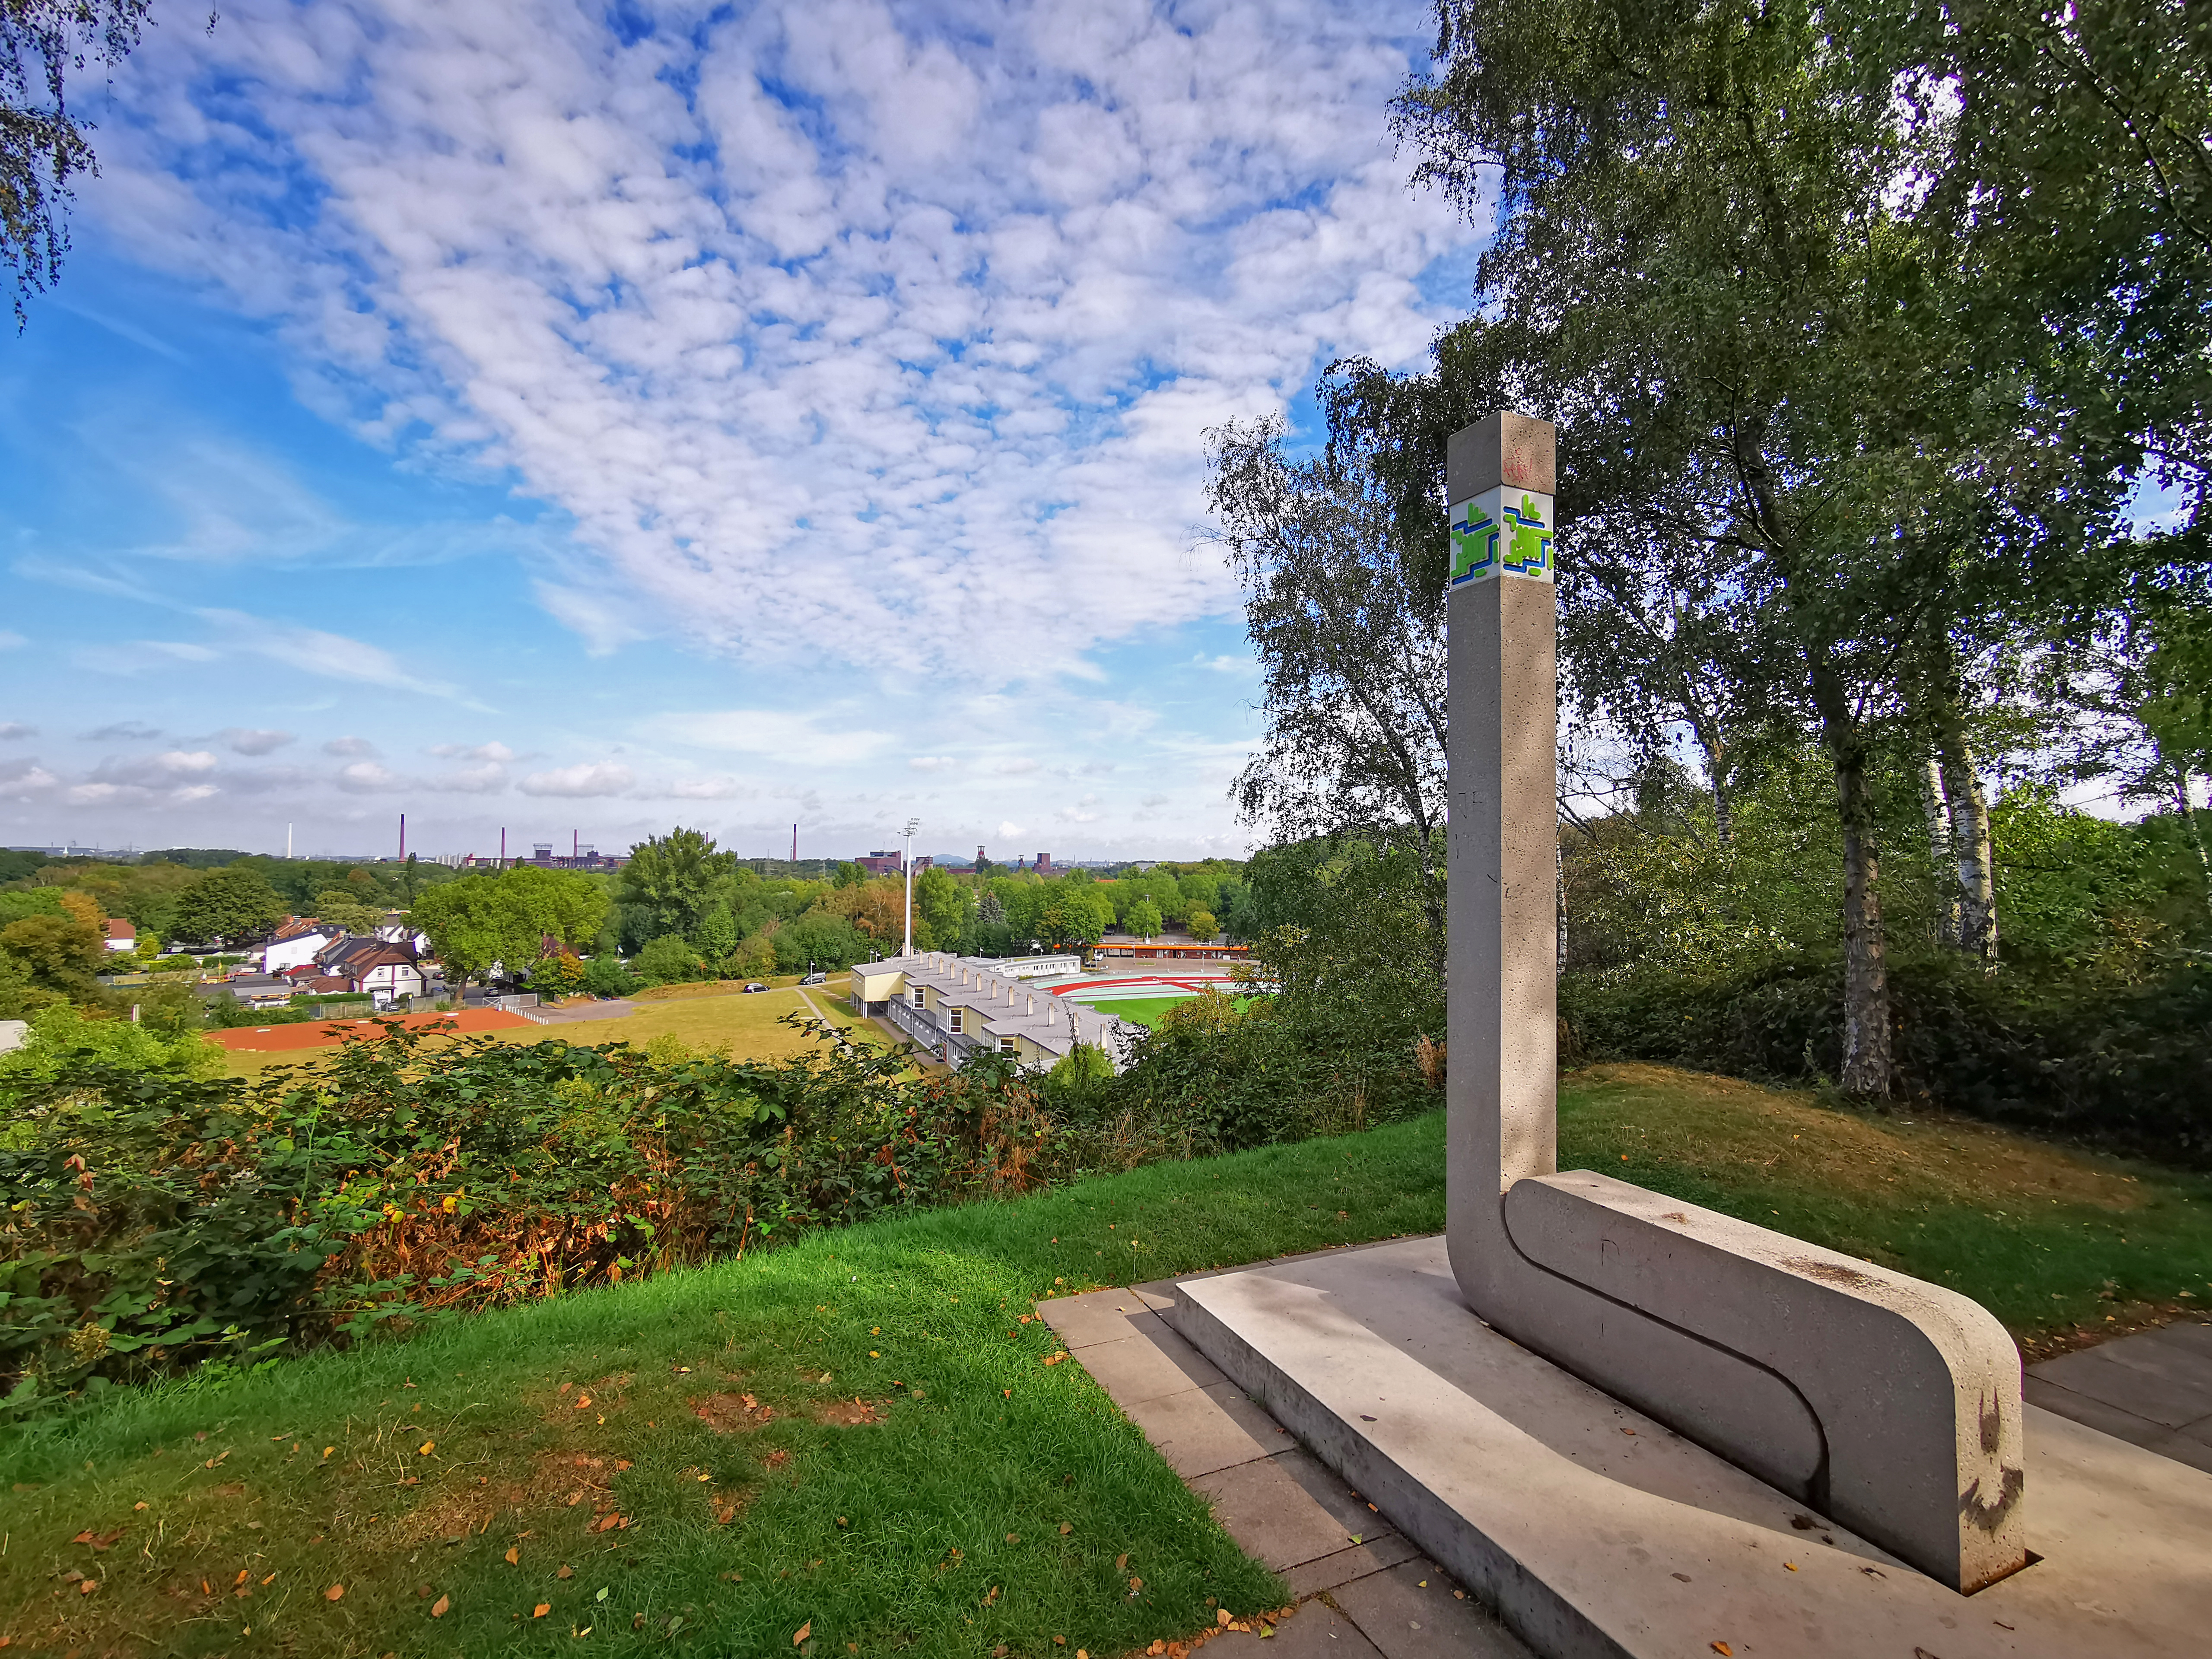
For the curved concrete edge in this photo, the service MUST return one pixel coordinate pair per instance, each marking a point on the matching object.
(1915, 1388)
(1594, 1530)
(1550, 1621)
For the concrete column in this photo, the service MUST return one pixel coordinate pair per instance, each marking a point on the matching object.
(1890, 1405)
(1503, 707)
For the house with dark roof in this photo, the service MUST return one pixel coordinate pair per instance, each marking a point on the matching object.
(383, 968)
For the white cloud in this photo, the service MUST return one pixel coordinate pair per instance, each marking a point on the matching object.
(344, 746)
(123, 732)
(1015, 766)
(489, 779)
(155, 771)
(10, 730)
(312, 651)
(9, 640)
(482, 751)
(579, 781)
(705, 788)
(1006, 831)
(932, 764)
(26, 778)
(771, 732)
(1225, 664)
(368, 778)
(243, 741)
(839, 329)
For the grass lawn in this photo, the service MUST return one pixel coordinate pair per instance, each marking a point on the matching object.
(719, 1017)
(1141, 1010)
(856, 1439)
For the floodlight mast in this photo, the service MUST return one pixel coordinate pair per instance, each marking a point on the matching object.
(907, 864)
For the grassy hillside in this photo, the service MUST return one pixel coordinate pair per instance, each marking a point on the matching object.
(858, 1441)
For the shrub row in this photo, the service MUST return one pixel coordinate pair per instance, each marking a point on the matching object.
(159, 1220)
(2119, 1067)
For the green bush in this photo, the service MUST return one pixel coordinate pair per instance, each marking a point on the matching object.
(158, 1220)
(63, 1037)
(2121, 1066)
(669, 960)
(606, 976)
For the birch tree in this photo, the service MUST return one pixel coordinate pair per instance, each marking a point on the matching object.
(1347, 619)
(1768, 381)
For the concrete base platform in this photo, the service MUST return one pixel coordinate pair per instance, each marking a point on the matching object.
(1595, 1531)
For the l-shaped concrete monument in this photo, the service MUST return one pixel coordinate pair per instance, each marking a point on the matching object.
(1890, 1405)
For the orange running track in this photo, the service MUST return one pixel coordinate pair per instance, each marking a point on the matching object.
(327, 1033)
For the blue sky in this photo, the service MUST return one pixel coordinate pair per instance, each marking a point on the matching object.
(518, 418)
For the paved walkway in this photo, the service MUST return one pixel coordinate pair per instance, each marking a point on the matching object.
(1364, 1591)
(2152, 1390)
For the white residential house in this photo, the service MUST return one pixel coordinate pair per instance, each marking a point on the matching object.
(298, 940)
(382, 969)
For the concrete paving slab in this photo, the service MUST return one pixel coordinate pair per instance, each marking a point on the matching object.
(1094, 1317)
(1410, 1613)
(2189, 1336)
(1593, 1531)
(1252, 1419)
(2107, 1419)
(1195, 1435)
(1326, 1487)
(1316, 1630)
(1142, 1367)
(1326, 1573)
(2193, 1446)
(2152, 1382)
(1273, 1517)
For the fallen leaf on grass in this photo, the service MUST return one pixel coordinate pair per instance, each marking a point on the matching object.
(1222, 1616)
(541, 1610)
(1122, 1563)
(333, 1592)
(609, 1521)
(1013, 1538)
(427, 1445)
(802, 1632)
(582, 1400)
(87, 1587)
(1066, 1527)
(1054, 1359)
(99, 1543)
(514, 1555)
(567, 1571)
(438, 1607)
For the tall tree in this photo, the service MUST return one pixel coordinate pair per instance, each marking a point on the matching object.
(504, 921)
(675, 878)
(1346, 615)
(1764, 377)
(44, 145)
(230, 903)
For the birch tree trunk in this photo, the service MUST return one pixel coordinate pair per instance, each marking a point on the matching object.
(1865, 966)
(2196, 830)
(1936, 806)
(1977, 865)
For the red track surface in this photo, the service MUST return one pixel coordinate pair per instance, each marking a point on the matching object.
(1177, 982)
(324, 1034)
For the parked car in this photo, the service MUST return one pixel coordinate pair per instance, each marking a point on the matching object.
(816, 978)
(755, 985)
